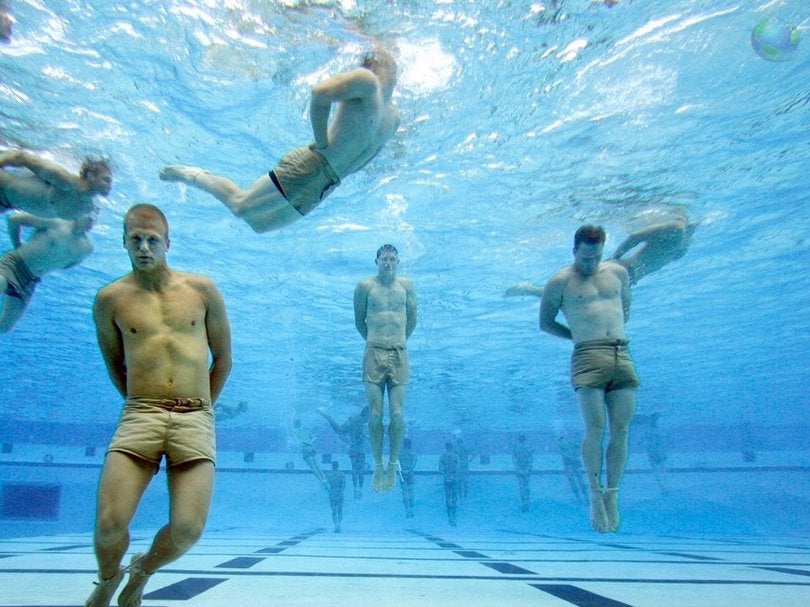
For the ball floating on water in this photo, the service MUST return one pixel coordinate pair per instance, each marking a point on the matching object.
(774, 40)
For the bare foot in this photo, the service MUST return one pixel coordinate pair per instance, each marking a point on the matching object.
(599, 517)
(378, 479)
(391, 474)
(180, 172)
(610, 497)
(133, 592)
(103, 592)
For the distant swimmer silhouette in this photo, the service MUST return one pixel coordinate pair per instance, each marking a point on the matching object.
(48, 190)
(364, 121)
(56, 244)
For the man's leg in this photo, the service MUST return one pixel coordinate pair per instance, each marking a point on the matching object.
(190, 489)
(376, 432)
(261, 205)
(123, 481)
(621, 405)
(592, 407)
(396, 432)
(13, 308)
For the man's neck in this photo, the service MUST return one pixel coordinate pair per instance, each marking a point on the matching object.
(153, 280)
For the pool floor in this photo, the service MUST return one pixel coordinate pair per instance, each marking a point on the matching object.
(317, 567)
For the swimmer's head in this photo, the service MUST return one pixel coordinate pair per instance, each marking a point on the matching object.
(97, 172)
(380, 61)
(147, 210)
(387, 248)
(590, 235)
(589, 244)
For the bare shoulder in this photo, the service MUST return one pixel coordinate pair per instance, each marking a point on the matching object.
(365, 285)
(116, 288)
(406, 283)
(617, 268)
(559, 279)
(109, 295)
(204, 285)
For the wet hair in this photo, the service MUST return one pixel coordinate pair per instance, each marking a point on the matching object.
(94, 165)
(380, 58)
(147, 209)
(590, 235)
(387, 248)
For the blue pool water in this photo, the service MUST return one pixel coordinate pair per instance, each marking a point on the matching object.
(520, 121)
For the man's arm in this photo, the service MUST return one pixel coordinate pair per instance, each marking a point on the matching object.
(659, 230)
(44, 169)
(523, 288)
(410, 308)
(109, 339)
(550, 306)
(355, 84)
(218, 329)
(360, 305)
(18, 221)
(624, 277)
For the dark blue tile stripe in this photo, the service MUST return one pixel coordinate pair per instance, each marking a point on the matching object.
(184, 590)
(786, 570)
(578, 596)
(471, 554)
(293, 541)
(507, 568)
(242, 562)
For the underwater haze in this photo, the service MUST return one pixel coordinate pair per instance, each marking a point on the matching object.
(520, 121)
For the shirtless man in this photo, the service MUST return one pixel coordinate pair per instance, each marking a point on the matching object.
(653, 248)
(385, 315)
(594, 296)
(48, 190)
(364, 121)
(156, 328)
(55, 244)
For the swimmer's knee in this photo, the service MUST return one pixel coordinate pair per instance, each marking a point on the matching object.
(186, 533)
(110, 528)
(397, 421)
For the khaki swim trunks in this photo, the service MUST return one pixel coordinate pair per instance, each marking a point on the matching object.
(181, 429)
(304, 177)
(21, 282)
(387, 365)
(604, 364)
